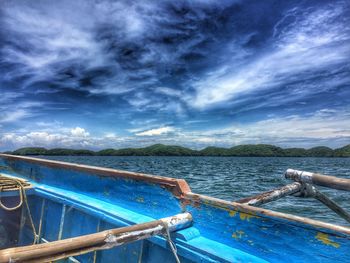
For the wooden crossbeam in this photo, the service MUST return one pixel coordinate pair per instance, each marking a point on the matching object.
(101, 240)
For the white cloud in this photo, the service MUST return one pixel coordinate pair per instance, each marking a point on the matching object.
(156, 132)
(79, 132)
(12, 111)
(57, 38)
(47, 139)
(66, 38)
(13, 115)
(168, 91)
(9, 96)
(44, 124)
(328, 127)
(316, 42)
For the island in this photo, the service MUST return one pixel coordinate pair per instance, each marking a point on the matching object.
(248, 150)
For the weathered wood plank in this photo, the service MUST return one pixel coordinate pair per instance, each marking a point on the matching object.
(102, 240)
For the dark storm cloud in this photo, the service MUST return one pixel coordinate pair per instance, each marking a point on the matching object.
(118, 47)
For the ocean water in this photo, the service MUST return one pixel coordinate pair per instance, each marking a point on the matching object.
(232, 178)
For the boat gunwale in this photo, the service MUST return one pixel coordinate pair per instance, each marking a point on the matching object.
(262, 212)
(178, 187)
(181, 190)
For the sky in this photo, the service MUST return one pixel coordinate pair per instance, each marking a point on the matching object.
(111, 74)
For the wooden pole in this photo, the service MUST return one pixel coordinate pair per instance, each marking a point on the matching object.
(272, 195)
(102, 240)
(311, 191)
(332, 205)
(318, 179)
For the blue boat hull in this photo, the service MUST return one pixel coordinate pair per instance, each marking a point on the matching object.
(69, 200)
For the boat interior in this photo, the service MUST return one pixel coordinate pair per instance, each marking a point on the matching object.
(50, 202)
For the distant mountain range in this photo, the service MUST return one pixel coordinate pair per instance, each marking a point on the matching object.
(253, 150)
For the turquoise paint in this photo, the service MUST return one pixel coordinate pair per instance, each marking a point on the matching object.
(271, 239)
(95, 203)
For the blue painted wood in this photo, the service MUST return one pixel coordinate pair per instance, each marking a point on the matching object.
(9, 222)
(270, 238)
(149, 199)
(220, 233)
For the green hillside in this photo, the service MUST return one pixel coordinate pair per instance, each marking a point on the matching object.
(295, 152)
(214, 151)
(56, 151)
(320, 151)
(342, 152)
(258, 150)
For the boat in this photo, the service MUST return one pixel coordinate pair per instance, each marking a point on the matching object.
(55, 211)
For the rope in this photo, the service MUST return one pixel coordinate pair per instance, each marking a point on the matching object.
(8, 183)
(171, 243)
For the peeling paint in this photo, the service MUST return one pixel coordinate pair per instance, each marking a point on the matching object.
(238, 234)
(244, 216)
(251, 242)
(140, 199)
(324, 238)
(232, 213)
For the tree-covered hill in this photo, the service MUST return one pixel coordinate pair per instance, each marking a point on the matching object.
(55, 151)
(342, 152)
(214, 151)
(258, 150)
(320, 151)
(156, 149)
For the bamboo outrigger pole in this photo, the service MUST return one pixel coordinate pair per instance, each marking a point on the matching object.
(309, 179)
(318, 179)
(331, 205)
(304, 187)
(272, 195)
(61, 249)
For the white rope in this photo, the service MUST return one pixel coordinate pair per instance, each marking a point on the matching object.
(171, 243)
(16, 184)
(23, 199)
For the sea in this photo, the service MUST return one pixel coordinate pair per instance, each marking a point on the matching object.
(233, 178)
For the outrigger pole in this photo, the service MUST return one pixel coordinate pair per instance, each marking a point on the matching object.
(304, 186)
(272, 195)
(318, 179)
(65, 248)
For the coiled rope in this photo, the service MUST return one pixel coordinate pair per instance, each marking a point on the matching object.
(13, 183)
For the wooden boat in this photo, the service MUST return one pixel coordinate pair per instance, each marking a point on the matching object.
(79, 213)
